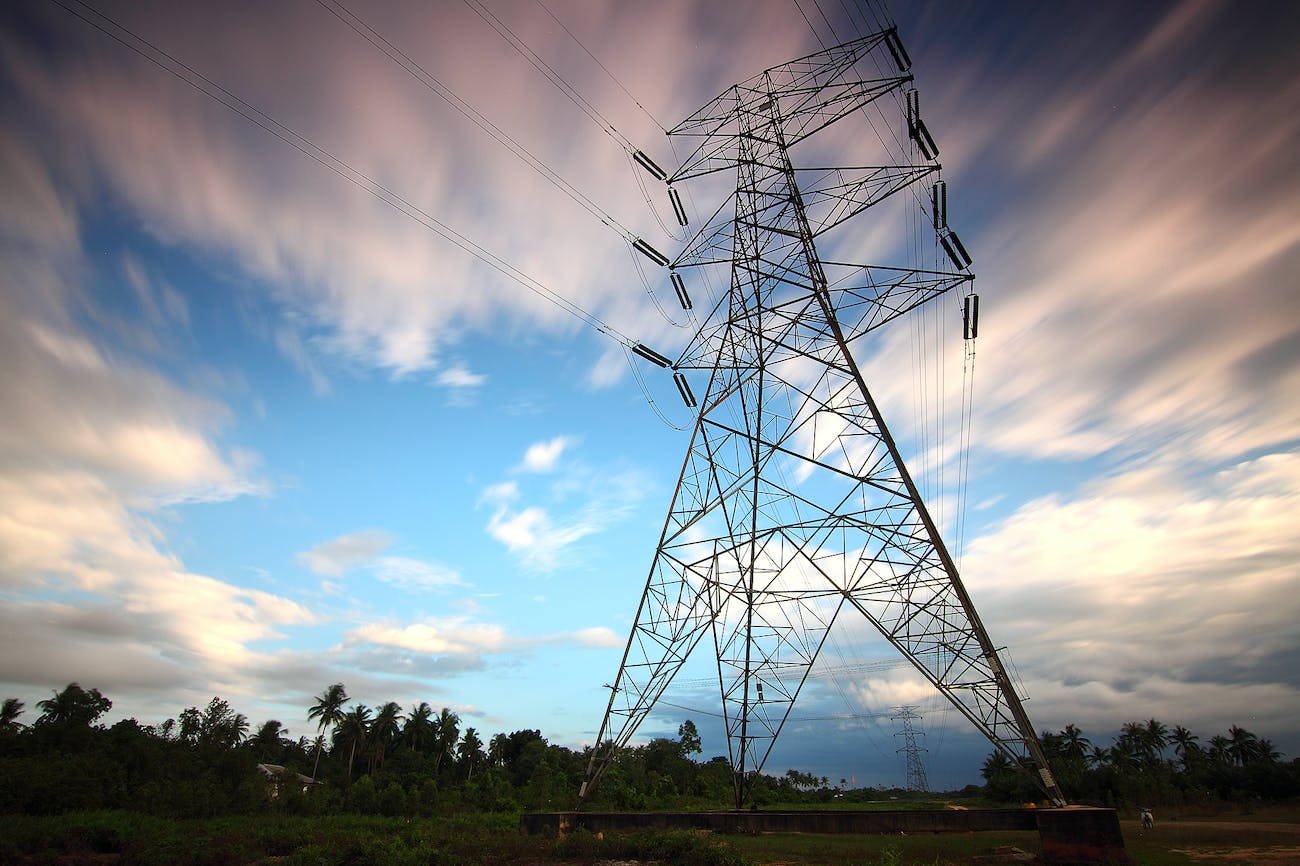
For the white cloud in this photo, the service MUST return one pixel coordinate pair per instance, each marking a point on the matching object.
(544, 456)
(460, 377)
(454, 636)
(462, 636)
(880, 693)
(342, 554)
(1151, 590)
(93, 445)
(360, 550)
(414, 574)
(499, 494)
(543, 538)
(599, 637)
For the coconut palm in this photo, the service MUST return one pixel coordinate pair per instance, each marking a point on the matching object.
(1242, 745)
(418, 730)
(446, 731)
(268, 742)
(353, 729)
(1074, 743)
(1185, 745)
(1266, 752)
(383, 731)
(74, 706)
(1155, 737)
(9, 713)
(328, 712)
(470, 751)
(1219, 748)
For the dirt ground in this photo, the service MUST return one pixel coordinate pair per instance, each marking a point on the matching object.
(1222, 843)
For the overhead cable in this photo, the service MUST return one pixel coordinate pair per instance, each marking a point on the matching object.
(256, 116)
(550, 74)
(422, 75)
(604, 68)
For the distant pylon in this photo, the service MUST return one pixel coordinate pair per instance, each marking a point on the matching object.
(794, 505)
(916, 780)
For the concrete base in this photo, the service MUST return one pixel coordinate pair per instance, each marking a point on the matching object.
(1075, 835)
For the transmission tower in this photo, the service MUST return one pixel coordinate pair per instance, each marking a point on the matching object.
(916, 780)
(794, 507)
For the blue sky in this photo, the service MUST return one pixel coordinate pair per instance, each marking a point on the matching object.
(264, 433)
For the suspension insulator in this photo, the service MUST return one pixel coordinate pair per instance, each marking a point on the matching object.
(649, 165)
(939, 200)
(896, 48)
(650, 252)
(924, 140)
(680, 287)
(970, 317)
(956, 251)
(680, 211)
(916, 127)
(684, 388)
(651, 355)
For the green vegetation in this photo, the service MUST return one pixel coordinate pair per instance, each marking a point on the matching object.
(391, 786)
(1150, 764)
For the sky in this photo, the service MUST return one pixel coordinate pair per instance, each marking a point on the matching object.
(263, 432)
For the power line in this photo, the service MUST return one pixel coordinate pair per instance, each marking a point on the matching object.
(611, 75)
(177, 68)
(550, 74)
(355, 23)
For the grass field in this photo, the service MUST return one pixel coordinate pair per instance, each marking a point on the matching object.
(1266, 838)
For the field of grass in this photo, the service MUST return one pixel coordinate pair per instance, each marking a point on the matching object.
(1263, 838)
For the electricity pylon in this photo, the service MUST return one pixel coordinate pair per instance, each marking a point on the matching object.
(916, 780)
(794, 506)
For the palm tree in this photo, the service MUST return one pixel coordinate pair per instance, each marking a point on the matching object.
(471, 749)
(1123, 753)
(9, 713)
(1185, 745)
(237, 729)
(1219, 747)
(1131, 734)
(353, 729)
(1266, 753)
(1074, 743)
(446, 731)
(328, 712)
(1241, 745)
(1155, 737)
(74, 706)
(267, 741)
(995, 764)
(383, 730)
(418, 730)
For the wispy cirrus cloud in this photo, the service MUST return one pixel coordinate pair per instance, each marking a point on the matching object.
(346, 552)
(361, 551)
(95, 445)
(581, 504)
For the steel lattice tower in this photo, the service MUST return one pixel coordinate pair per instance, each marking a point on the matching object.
(794, 507)
(916, 780)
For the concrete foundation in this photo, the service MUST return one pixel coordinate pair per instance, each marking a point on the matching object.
(1075, 835)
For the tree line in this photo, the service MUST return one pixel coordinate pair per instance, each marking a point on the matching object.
(1150, 763)
(388, 760)
(419, 761)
